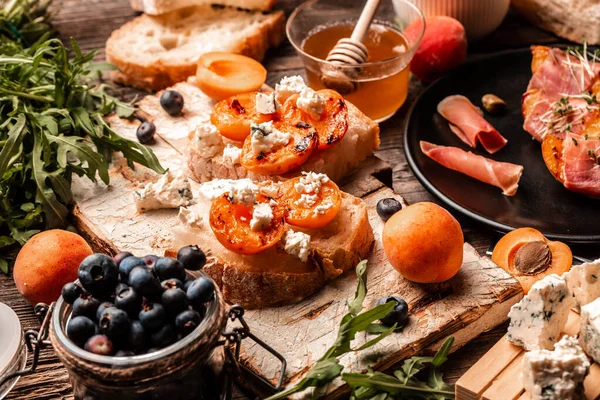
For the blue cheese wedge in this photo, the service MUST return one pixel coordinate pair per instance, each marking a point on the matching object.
(589, 333)
(538, 319)
(558, 374)
(584, 282)
(170, 191)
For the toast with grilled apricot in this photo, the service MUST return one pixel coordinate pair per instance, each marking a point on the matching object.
(275, 243)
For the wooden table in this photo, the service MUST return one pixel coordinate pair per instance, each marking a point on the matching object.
(91, 22)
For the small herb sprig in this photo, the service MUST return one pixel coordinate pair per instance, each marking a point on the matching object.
(374, 385)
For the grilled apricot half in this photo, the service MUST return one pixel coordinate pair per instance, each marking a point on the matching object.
(320, 210)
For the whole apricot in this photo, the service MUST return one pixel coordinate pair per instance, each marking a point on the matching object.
(443, 47)
(424, 242)
(47, 262)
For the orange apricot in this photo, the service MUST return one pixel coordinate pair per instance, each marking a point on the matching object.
(47, 262)
(552, 150)
(221, 75)
(424, 242)
(526, 254)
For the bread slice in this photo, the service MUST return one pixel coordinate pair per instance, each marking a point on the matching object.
(360, 141)
(154, 52)
(570, 19)
(274, 277)
(159, 7)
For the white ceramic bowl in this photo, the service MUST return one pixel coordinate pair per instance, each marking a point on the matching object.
(479, 17)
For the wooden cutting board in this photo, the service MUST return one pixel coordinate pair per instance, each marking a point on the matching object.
(474, 301)
(497, 375)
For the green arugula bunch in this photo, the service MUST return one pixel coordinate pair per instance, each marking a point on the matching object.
(373, 385)
(23, 22)
(51, 127)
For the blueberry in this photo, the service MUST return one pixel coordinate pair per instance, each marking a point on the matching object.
(167, 268)
(120, 286)
(172, 102)
(99, 344)
(150, 261)
(164, 337)
(127, 265)
(388, 207)
(124, 353)
(187, 321)
(129, 301)
(200, 291)
(398, 315)
(99, 274)
(187, 284)
(80, 329)
(174, 301)
(86, 305)
(152, 315)
(101, 308)
(70, 292)
(145, 132)
(137, 338)
(191, 257)
(121, 256)
(171, 284)
(114, 323)
(144, 282)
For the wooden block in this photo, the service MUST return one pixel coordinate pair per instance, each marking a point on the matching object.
(482, 374)
(507, 385)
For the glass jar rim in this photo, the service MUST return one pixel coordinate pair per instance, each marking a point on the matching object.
(132, 361)
(299, 49)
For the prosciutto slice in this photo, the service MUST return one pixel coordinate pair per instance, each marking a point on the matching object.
(582, 164)
(500, 174)
(468, 124)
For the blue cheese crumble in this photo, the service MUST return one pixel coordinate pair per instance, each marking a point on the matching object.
(262, 215)
(170, 191)
(297, 244)
(264, 138)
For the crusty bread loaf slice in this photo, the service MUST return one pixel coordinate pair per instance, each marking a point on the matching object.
(159, 7)
(360, 141)
(274, 277)
(154, 52)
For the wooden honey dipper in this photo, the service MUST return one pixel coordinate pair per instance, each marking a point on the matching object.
(350, 51)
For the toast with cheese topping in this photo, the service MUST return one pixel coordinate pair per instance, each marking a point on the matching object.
(154, 52)
(278, 275)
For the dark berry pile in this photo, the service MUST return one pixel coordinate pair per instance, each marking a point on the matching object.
(126, 305)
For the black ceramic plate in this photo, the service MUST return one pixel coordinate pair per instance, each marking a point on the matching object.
(541, 202)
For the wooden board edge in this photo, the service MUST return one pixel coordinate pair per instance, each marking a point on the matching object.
(94, 236)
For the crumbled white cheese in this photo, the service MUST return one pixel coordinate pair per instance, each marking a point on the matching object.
(307, 200)
(218, 187)
(261, 216)
(170, 191)
(322, 208)
(266, 103)
(311, 103)
(269, 189)
(589, 332)
(231, 155)
(190, 218)
(310, 182)
(243, 194)
(538, 319)
(206, 139)
(297, 244)
(273, 202)
(555, 375)
(264, 138)
(288, 86)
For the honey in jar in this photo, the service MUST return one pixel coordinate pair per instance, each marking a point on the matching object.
(382, 90)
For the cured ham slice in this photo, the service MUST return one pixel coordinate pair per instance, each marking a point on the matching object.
(500, 174)
(468, 124)
(582, 164)
(559, 71)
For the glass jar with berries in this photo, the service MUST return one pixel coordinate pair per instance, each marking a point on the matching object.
(142, 328)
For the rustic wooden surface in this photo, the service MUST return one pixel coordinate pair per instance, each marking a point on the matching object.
(91, 21)
(495, 376)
